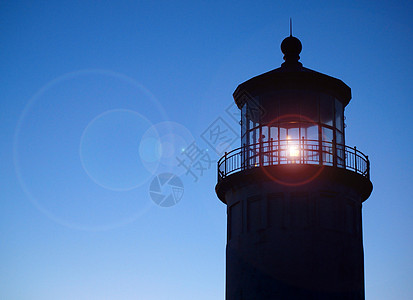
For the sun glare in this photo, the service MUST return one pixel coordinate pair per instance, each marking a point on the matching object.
(293, 151)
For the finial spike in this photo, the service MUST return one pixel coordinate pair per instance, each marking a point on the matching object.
(291, 27)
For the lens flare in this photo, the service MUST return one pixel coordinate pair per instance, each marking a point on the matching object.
(293, 151)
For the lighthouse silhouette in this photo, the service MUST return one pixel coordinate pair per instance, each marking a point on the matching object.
(293, 190)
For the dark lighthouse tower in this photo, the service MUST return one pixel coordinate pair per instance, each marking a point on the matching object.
(294, 190)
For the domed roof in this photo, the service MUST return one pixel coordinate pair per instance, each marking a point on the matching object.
(292, 75)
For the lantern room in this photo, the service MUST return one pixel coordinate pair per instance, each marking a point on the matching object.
(292, 115)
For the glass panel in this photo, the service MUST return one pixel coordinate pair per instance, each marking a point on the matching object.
(339, 137)
(251, 137)
(244, 140)
(253, 148)
(327, 148)
(340, 156)
(293, 145)
(274, 133)
(283, 142)
(339, 115)
(283, 133)
(251, 125)
(254, 110)
(293, 134)
(340, 148)
(264, 133)
(311, 133)
(327, 135)
(311, 144)
(274, 143)
(326, 109)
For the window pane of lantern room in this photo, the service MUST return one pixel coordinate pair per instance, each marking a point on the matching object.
(244, 140)
(283, 133)
(264, 146)
(339, 137)
(339, 115)
(311, 143)
(254, 110)
(264, 133)
(327, 147)
(251, 125)
(327, 135)
(253, 137)
(340, 149)
(293, 134)
(326, 109)
(311, 133)
(274, 133)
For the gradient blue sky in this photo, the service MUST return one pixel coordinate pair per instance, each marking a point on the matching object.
(85, 82)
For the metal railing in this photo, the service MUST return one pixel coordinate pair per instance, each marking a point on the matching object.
(293, 151)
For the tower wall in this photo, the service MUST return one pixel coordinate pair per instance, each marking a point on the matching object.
(297, 240)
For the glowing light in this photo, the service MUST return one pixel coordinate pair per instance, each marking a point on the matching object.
(293, 151)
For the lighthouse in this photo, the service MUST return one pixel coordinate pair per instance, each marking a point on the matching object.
(294, 190)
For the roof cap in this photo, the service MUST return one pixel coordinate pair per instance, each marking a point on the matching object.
(291, 47)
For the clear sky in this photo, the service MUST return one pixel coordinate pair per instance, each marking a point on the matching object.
(91, 90)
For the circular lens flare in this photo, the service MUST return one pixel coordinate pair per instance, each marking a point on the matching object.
(162, 145)
(46, 149)
(108, 148)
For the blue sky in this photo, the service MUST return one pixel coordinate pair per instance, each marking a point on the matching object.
(91, 89)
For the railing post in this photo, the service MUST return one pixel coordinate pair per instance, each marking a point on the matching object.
(278, 149)
(244, 157)
(271, 154)
(225, 164)
(368, 167)
(320, 152)
(218, 171)
(355, 158)
(301, 150)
